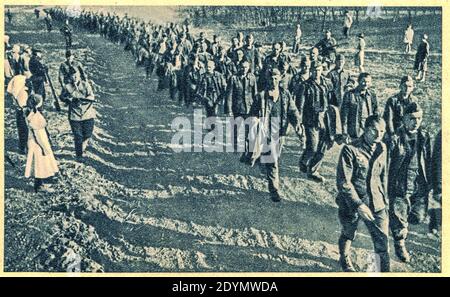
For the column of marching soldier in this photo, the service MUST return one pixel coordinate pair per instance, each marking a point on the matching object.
(387, 166)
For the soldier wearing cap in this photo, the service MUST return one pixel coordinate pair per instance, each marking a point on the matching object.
(278, 110)
(358, 104)
(410, 177)
(312, 102)
(340, 78)
(395, 106)
(78, 94)
(64, 76)
(361, 180)
(38, 73)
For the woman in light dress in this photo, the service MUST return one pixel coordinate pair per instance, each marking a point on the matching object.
(408, 38)
(41, 163)
(359, 57)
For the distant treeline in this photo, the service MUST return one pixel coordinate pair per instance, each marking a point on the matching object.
(267, 16)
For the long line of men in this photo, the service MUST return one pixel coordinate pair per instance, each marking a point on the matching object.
(385, 171)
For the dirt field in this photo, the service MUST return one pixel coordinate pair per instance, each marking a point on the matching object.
(138, 206)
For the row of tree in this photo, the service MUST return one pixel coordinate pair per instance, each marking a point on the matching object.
(276, 15)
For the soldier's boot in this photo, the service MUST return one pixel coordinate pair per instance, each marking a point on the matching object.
(401, 251)
(385, 262)
(344, 250)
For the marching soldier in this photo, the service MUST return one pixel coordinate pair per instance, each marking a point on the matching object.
(278, 111)
(64, 76)
(358, 104)
(327, 47)
(395, 106)
(79, 96)
(340, 79)
(252, 55)
(274, 60)
(242, 102)
(211, 89)
(361, 180)
(192, 74)
(313, 97)
(410, 177)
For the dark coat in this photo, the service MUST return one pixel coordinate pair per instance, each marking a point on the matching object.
(351, 111)
(311, 102)
(240, 100)
(398, 153)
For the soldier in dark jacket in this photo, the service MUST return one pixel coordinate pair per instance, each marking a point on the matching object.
(192, 74)
(274, 60)
(278, 111)
(252, 55)
(211, 89)
(242, 102)
(312, 102)
(39, 73)
(357, 106)
(410, 176)
(361, 180)
(340, 79)
(64, 76)
(395, 106)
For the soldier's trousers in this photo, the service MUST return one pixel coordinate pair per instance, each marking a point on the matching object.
(314, 152)
(271, 158)
(22, 130)
(39, 88)
(82, 130)
(378, 229)
(411, 208)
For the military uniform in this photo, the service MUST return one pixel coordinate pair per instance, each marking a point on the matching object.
(410, 176)
(277, 115)
(361, 178)
(394, 111)
(39, 76)
(242, 102)
(312, 102)
(211, 91)
(340, 80)
(80, 98)
(356, 107)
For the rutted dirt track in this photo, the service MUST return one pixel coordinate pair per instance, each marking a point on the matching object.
(138, 206)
